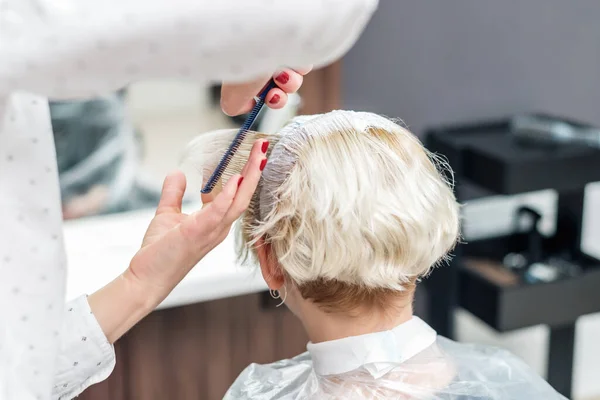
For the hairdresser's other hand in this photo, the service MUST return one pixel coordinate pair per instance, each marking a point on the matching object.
(175, 242)
(238, 98)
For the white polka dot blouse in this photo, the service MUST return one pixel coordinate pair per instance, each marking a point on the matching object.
(64, 49)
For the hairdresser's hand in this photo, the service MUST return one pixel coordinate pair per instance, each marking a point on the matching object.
(238, 98)
(175, 242)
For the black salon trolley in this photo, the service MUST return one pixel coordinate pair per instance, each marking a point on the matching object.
(487, 160)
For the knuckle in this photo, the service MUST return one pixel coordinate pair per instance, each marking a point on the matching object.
(240, 209)
(218, 213)
(226, 202)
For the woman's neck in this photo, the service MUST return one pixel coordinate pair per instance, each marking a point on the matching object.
(322, 326)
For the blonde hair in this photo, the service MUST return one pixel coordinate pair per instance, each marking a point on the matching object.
(350, 198)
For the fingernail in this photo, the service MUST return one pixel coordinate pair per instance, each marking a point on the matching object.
(283, 78)
(265, 147)
(263, 163)
(240, 181)
(274, 99)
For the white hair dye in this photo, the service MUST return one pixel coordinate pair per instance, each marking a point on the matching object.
(348, 196)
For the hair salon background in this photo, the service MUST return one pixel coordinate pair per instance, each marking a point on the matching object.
(435, 62)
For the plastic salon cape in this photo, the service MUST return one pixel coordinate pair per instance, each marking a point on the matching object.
(407, 362)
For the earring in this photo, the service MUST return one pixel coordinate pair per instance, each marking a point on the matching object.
(284, 296)
(274, 293)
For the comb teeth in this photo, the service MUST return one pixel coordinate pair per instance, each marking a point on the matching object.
(237, 141)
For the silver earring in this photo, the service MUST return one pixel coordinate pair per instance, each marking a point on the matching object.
(284, 296)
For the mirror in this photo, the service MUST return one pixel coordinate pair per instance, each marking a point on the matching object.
(114, 151)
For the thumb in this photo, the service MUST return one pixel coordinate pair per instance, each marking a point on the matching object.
(238, 98)
(172, 193)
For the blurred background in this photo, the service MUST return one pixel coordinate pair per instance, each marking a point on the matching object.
(435, 64)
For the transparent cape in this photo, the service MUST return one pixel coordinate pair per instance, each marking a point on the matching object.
(409, 361)
(446, 370)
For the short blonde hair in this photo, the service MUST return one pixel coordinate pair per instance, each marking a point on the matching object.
(349, 199)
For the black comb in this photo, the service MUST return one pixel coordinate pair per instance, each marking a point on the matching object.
(237, 141)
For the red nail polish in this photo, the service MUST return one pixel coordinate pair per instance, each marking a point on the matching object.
(263, 163)
(283, 78)
(240, 181)
(275, 99)
(265, 147)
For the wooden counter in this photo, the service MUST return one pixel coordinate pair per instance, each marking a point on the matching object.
(197, 351)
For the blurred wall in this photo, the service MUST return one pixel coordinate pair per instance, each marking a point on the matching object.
(434, 61)
(431, 62)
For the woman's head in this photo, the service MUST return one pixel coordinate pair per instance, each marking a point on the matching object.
(351, 208)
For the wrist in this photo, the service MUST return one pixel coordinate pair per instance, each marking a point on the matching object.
(151, 286)
(144, 294)
(120, 305)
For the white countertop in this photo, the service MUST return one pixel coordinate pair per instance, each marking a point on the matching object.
(100, 248)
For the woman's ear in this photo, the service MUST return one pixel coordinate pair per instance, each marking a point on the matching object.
(271, 271)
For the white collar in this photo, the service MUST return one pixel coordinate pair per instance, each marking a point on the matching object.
(379, 352)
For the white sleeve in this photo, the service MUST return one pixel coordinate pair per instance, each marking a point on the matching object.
(85, 356)
(80, 48)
